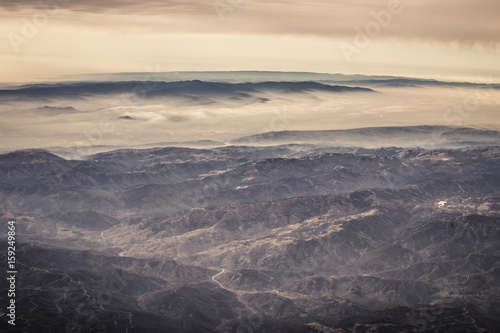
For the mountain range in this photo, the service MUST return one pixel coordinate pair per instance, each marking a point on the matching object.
(306, 236)
(158, 89)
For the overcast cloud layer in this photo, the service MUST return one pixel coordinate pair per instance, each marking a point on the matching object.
(79, 118)
(463, 21)
(458, 39)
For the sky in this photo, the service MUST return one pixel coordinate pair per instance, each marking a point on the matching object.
(446, 39)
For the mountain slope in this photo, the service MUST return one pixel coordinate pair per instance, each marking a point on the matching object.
(291, 238)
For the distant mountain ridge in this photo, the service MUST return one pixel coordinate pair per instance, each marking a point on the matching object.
(262, 76)
(399, 136)
(149, 89)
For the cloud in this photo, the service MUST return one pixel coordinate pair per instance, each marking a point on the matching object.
(177, 119)
(451, 21)
(156, 7)
(127, 118)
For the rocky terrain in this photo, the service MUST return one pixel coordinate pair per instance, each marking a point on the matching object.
(302, 237)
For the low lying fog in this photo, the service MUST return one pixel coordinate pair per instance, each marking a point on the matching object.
(126, 121)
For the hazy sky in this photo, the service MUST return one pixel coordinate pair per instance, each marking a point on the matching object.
(426, 38)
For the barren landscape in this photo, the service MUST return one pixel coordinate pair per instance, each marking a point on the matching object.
(280, 238)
